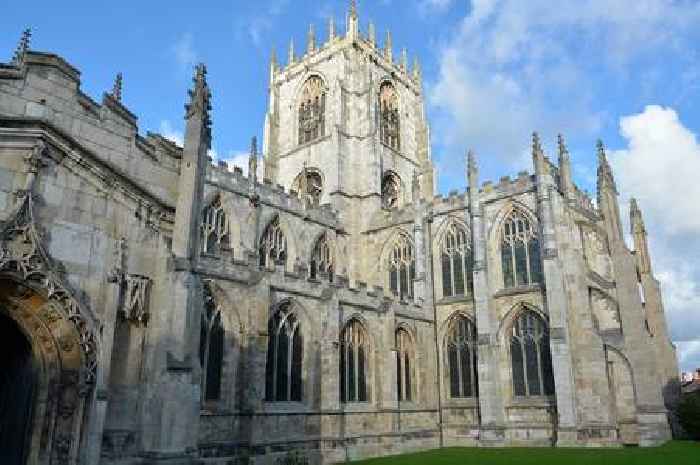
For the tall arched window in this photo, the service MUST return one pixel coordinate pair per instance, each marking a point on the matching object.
(211, 347)
(284, 357)
(520, 252)
(354, 350)
(391, 190)
(531, 357)
(309, 185)
(322, 258)
(456, 261)
(461, 357)
(404, 365)
(402, 267)
(312, 110)
(273, 245)
(389, 116)
(215, 228)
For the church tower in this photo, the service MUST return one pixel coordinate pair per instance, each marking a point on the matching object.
(346, 123)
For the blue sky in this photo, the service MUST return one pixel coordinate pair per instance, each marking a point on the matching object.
(627, 71)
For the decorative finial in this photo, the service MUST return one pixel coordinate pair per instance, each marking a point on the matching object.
(636, 219)
(471, 160)
(372, 34)
(253, 159)
(404, 59)
(200, 95)
(416, 69)
(600, 149)
(536, 146)
(353, 8)
(22, 47)
(291, 56)
(331, 29)
(388, 53)
(563, 151)
(311, 40)
(117, 88)
(273, 58)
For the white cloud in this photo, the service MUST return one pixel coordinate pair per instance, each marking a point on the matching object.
(513, 66)
(240, 159)
(659, 167)
(169, 132)
(184, 51)
(259, 26)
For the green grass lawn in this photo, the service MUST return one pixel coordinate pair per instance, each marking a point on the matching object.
(673, 453)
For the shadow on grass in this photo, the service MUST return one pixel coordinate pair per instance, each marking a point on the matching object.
(673, 453)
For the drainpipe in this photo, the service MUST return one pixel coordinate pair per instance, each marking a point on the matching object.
(435, 327)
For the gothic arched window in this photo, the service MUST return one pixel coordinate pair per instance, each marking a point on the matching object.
(391, 190)
(273, 245)
(309, 185)
(404, 365)
(461, 357)
(312, 110)
(389, 116)
(211, 347)
(322, 258)
(531, 357)
(456, 261)
(520, 252)
(215, 228)
(354, 351)
(402, 267)
(284, 357)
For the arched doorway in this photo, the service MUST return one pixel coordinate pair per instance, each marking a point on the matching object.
(44, 397)
(17, 387)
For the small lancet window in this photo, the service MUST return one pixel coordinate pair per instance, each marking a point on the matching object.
(520, 252)
(353, 363)
(215, 229)
(312, 109)
(461, 357)
(456, 261)
(404, 365)
(309, 185)
(283, 375)
(391, 190)
(273, 245)
(531, 357)
(389, 116)
(211, 347)
(402, 268)
(322, 258)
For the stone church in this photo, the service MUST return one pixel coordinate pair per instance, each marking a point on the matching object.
(157, 308)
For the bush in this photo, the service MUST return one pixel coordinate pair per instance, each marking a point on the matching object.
(689, 414)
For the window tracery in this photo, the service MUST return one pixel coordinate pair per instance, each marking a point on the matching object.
(531, 357)
(309, 185)
(456, 262)
(354, 350)
(520, 252)
(461, 358)
(211, 347)
(312, 110)
(215, 228)
(404, 365)
(283, 374)
(391, 190)
(322, 259)
(389, 116)
(402, 268)
(273, 245)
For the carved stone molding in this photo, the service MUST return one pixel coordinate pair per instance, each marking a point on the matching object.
(22, 255)
(136, 298)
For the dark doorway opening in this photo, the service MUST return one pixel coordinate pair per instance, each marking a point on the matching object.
(17, 382)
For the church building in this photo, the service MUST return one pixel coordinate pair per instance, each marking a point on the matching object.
(159, 308)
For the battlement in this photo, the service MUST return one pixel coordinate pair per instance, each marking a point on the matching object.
(354, 37)
(275, 195)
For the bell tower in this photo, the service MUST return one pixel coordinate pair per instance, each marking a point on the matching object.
(350, 120)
